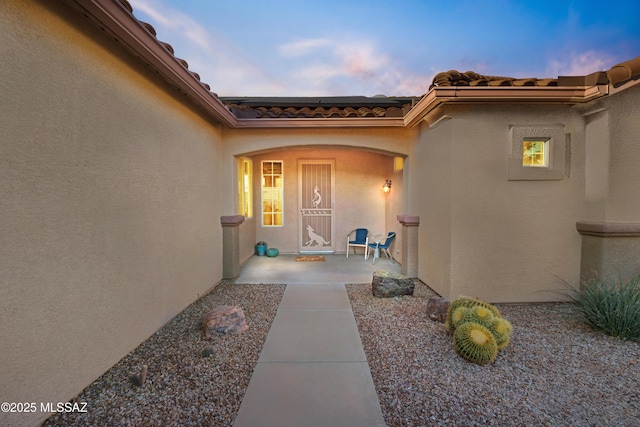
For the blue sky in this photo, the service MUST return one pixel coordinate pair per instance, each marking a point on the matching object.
(328, 48)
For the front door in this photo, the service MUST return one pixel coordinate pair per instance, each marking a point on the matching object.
(316, 189)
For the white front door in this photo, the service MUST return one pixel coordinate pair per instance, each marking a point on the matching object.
(316, 189)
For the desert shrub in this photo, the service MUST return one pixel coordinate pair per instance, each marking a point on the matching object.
(611, 305)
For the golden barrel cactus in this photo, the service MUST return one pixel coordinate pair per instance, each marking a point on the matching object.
(475, 343)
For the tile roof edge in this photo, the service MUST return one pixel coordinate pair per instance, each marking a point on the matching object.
(616, 76)
(624, 72)
(116, 18)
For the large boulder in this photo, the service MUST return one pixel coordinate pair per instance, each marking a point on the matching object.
(225, 319)
(437, 308)
(389, 285)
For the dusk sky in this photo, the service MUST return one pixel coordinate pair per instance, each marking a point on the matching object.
(328, 48)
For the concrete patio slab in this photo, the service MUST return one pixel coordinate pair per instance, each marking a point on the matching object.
(337, 269)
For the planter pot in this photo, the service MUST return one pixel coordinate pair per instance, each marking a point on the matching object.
(261, 250)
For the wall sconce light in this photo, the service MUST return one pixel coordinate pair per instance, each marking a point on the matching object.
(387, 186)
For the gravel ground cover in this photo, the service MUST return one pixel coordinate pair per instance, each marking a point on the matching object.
(555, 372)
(183, 387)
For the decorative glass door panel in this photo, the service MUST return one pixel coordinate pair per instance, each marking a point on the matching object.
(316, 191)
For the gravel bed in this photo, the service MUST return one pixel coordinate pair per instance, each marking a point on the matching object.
(183, 387)
(555, 372)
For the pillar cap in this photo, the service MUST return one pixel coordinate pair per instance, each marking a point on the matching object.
(231, 220)
(409, 220)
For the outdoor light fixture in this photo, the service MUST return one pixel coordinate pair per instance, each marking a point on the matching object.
(387, 186)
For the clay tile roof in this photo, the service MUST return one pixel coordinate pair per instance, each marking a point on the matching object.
(382, 106)
(149, 27)
(319, 107)
(471, 78)
(625, 71)
(617, 75)
(127, 6)
(167, 46)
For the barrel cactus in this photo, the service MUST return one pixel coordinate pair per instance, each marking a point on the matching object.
(479, 314)
(457, 316)
(475, 343)
(467, 302)
(501, 329)
(489, 330)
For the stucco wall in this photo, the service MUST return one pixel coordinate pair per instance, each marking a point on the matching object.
(109, 212)
(429, 196)
(612, 183)
(623, 110)
(500, 240)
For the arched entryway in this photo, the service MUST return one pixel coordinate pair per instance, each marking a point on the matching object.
(357, 196)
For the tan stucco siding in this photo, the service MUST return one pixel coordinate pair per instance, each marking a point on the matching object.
(623, 110)
(508, 239)
(429, 197)
(612, 184)
(108, 204)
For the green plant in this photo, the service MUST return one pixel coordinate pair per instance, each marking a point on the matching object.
(501, 329)
(475, 343)
(611, 305)
(479, 314)
(467, 302)
(457, 316)
(488, 333)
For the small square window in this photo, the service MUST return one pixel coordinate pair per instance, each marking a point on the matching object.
(538, 153)
(535, 153)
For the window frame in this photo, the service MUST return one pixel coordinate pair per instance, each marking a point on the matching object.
(245, 187)
(280, 193)
(558, 153)
(544, 152)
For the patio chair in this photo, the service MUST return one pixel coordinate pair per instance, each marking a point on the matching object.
(361, 240)
(381, 247)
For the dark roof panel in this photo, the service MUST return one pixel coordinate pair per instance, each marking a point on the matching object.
(319, 107)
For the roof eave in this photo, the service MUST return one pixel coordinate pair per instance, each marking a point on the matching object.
(438, 96)
(113, 17)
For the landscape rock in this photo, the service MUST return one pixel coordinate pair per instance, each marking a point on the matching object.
(389, 285)
(437, 308)
(224, 319)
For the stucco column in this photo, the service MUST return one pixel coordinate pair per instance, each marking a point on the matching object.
(410, 225)
(609, 248)
(231, 245)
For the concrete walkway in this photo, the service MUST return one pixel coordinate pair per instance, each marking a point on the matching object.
(312, 370)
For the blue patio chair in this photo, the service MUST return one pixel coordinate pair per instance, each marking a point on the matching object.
(382, 247)
(361, 240)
